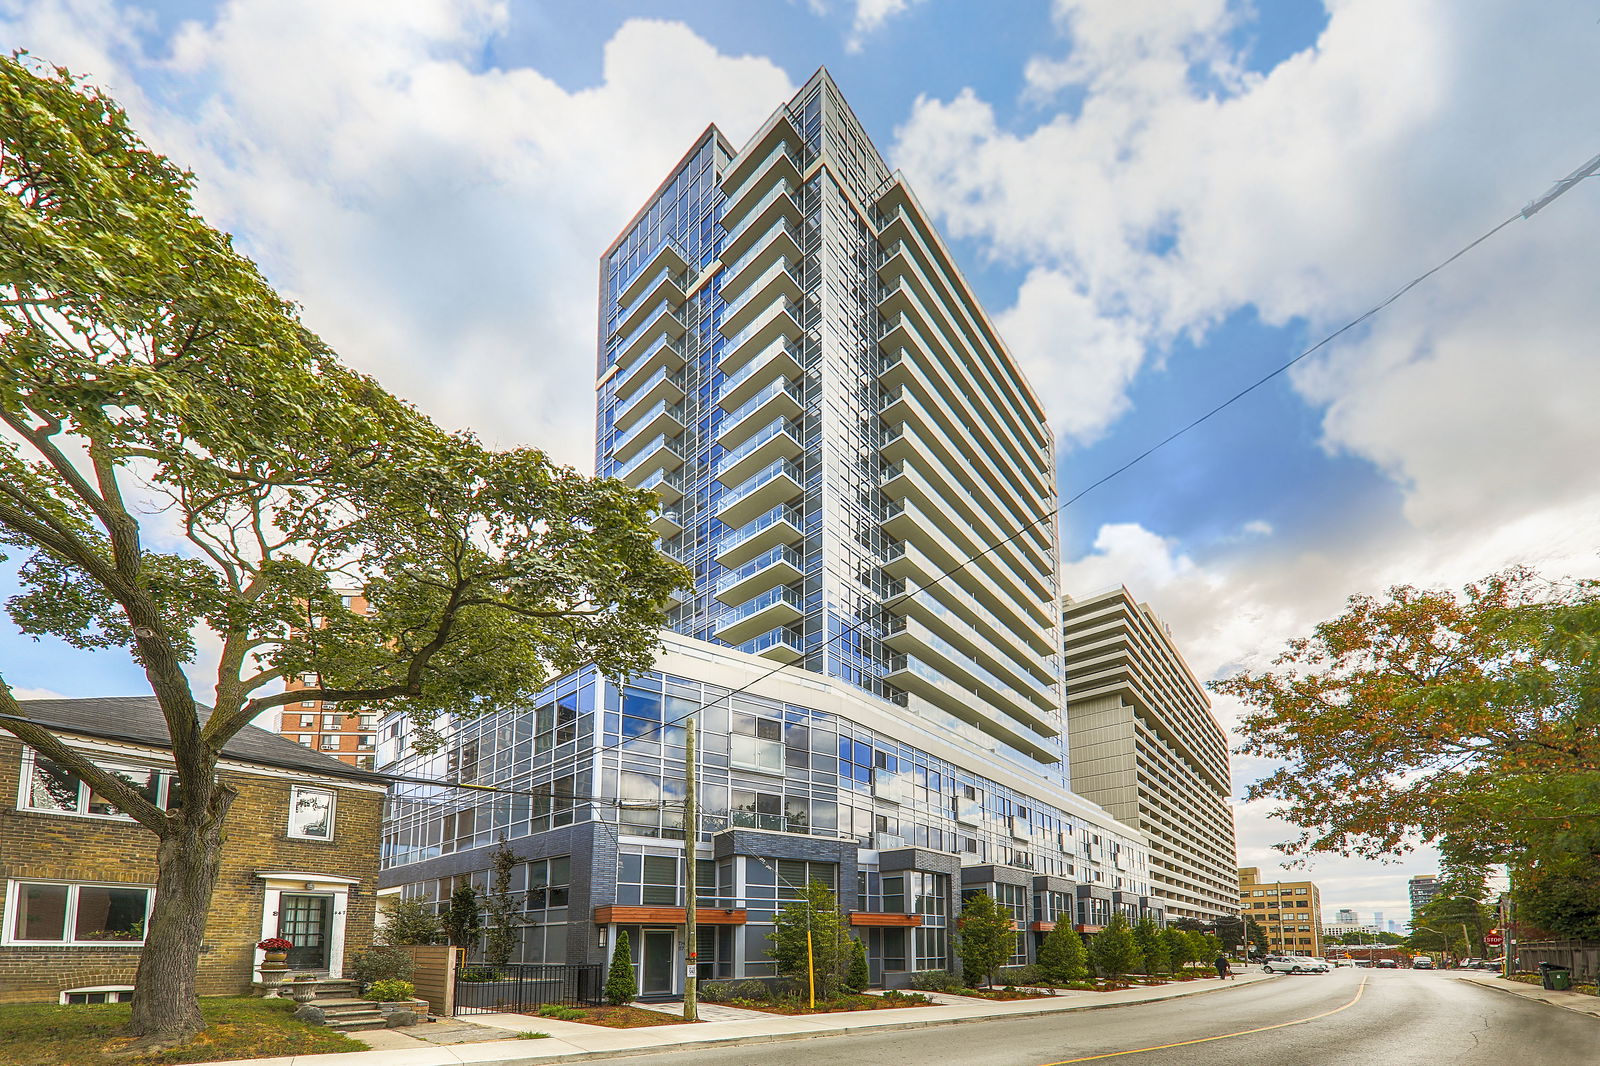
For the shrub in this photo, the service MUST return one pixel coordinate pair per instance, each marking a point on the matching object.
(409, 921)
(620, 984)
(391, 991)
(1021, 975)
(859, 976)
(716, 991)
(934, 981)
(478, 973)
(563, 1014)
(380, 963)
(894, 995)
(753, 991)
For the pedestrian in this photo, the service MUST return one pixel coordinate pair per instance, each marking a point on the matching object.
(1223, 970)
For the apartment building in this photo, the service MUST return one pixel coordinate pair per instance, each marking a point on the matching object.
(1289, 912)
(347, 734)
(1145, 746)
(1422, 888)
(790, 358)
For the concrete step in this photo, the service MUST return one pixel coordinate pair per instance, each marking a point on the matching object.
(344, 1026)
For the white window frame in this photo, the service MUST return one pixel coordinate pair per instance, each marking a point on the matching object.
(121, 989)
(333, 810)
(14, 901)
(166, 777)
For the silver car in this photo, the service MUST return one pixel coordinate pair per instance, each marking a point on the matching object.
(1293, 964)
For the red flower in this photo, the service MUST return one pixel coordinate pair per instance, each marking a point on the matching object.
(274, 943)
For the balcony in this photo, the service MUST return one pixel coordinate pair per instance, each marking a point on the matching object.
(777, 280)
(956, 667)
(775, 607)
(779, 399)
(663, 417)
(777, 322)
(667, 524)
(778, 439)
(999, 663)
(921, 680)
(668, 256)
(776, 362)
(779, 202)
(662, 453)
(780, 644)
(757, 150)
(665, 286)
(776, 165)
(781, 525)
(776, 566)
(662, 321)
(667, 484)
(665, 353)
(915, 571)
(763, 491)
(664, 384)
(781, 241)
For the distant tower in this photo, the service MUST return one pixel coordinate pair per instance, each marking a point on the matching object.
(1345, 915)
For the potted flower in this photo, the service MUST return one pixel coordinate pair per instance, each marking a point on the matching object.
(277, 952)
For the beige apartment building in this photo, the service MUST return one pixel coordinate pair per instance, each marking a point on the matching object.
(1289, 912)
(347, 734)
(1145, 746)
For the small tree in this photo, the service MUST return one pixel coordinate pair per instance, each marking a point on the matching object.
(1199, 947)
(620, 984)
(860, 975)
(817, 912)
(1180, 951)
(409, 921)
(500, 908)
(1062, 956)
(988, 936)
(1153, 946)
(1113, 951)
(462, 921)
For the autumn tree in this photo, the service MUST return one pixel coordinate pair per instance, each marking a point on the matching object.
(183, 463)
(1469, 720)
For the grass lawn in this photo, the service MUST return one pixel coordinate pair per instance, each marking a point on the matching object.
(887, 1001)
(611, 1017)
(1003, 995)
(238, 1027)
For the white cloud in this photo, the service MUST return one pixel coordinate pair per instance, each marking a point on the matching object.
(870, 15)
(20, 693)
(441, 224)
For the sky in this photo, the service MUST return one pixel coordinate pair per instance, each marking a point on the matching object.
(1158, 201)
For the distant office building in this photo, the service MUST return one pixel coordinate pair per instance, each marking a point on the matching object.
(1423, 888)
(1144, 745)
(1289, 912)
(1333, 929)
(1377, 919)
(1345, 914)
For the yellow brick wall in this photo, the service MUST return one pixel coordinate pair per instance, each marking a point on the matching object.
(67, 848)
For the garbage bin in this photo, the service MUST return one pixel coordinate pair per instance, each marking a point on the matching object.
(1555, 977)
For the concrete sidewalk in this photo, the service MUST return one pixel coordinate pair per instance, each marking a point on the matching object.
(574, 1041)
(1577, 1001)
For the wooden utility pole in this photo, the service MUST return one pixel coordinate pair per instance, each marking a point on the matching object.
(691, 840)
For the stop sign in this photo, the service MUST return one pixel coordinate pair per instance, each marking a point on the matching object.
(1493, 940)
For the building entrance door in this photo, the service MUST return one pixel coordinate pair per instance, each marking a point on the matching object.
(304, 921)
(656, 959)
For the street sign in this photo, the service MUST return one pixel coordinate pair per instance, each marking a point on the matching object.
(1493, 940)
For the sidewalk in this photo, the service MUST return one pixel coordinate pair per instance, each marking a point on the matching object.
(574, 1041)
(1578, 1001)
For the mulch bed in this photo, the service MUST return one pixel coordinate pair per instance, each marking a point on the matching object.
(835, 1006)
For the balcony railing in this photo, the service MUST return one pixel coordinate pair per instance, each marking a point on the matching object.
(770, 431)
(632, 309)
(758, 481)
(781, 226)
(758, 290)
(664, 345)
(782, 189)
(771, 598)
(626, 346)
(735, 537)
(620, 448)
(781, 554)
(737, 195)
(663, 442)
(768, 393)
(626, 413)
(667, 252)
(779, 639)
(764, 321)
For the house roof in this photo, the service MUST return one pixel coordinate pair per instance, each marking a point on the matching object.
(139, 719)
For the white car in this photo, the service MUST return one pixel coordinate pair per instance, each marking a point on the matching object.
(1293, 964)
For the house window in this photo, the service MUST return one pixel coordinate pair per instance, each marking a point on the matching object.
(330, 742)
(108, 994)
(49, 786)
(311, 813)
(69, 913)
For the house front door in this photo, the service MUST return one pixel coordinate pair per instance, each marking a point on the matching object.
(656, 962)
(305, 921)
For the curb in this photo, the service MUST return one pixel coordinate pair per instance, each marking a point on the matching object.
(1595, 1015)
(773, 1038)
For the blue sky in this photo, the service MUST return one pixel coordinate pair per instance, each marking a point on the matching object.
(1157, 201)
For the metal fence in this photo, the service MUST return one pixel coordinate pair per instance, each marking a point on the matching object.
(523, 987)
(1582, 957)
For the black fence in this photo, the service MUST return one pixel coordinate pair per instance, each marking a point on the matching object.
(1582, 957)
(522, 988)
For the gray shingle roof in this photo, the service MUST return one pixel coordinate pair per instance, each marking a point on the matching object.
(139, 719)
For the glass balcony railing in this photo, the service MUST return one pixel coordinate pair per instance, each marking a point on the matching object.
(781, 554)
(651, 321)
(652, 356)
(780, 638)
(627, 413)
(668, 479)
(735, 537)
(758, 481)
(780, 387)
(961, 660)
(662, 442)
(748, 184)
(1023, 682)
(638, 302)
(621, 446)
(771, 598)
(781, 226)
(770, 431)
(737, 341)
(757, 290)
(782, 189)
(669, 253)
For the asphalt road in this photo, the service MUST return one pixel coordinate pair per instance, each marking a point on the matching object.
(1396, 1018)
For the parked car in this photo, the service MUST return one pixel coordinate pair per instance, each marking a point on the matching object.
(1469, 964)
(1422, 962)
(1387, 964)
(1293, 964)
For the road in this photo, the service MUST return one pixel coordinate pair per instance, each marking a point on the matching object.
(1371, 1018)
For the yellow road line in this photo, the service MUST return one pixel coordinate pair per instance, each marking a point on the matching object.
(1224, 1036)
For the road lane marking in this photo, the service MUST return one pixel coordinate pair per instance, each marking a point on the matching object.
(1224, 1036)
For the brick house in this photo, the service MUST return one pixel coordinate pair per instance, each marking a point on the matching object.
(300, 857)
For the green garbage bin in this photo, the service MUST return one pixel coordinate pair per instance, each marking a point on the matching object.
(1555, 978)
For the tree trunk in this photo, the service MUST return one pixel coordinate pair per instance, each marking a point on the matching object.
(166, 1008)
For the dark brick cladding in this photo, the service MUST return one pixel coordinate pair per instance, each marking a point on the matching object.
(68, 848)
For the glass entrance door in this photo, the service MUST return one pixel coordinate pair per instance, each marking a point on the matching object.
(304, 921)
(656, 962)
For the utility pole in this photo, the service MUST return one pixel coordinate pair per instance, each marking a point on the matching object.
(691, 840)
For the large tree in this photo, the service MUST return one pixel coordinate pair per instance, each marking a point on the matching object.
(189, 474)
(1471, 720)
